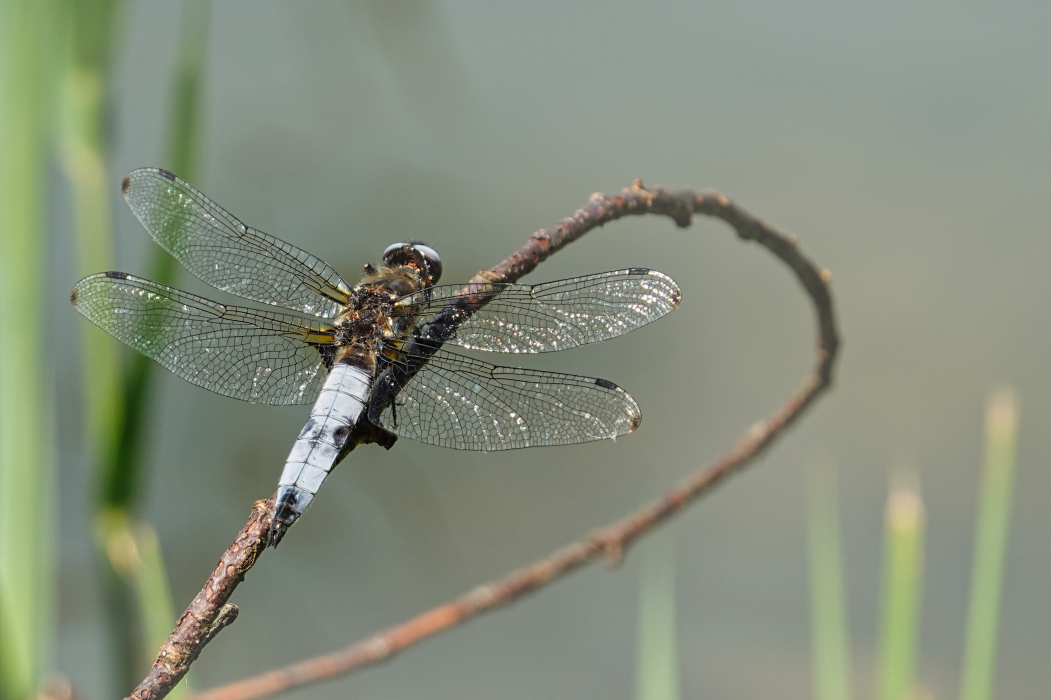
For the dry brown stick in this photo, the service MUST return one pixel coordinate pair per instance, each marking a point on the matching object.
(209, 612)
(192, 632)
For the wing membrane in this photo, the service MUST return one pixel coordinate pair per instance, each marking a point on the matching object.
(459, 402)
(255, 356)
(216, 247)
(546, 317)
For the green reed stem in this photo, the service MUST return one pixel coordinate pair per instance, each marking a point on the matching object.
(902, 588)
(122, 478)
(156, 608)
(116, 410)
(657, 664)
(828, 609)
(27, 458)
(122, 470)
(990, 546)
(84, 152)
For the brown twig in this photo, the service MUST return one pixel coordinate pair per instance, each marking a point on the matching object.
(209, 612)
(610, 542)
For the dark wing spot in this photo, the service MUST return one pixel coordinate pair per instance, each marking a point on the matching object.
(125, 184)
(74, 297)
(639, 271)
(117, 275)
(167, 173)
(605, 384)
(676, 297)
(636, 421)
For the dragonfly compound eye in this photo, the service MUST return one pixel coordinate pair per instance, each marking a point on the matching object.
(432, 260)
(417, 255)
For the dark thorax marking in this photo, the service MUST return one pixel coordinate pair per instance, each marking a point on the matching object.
(368, 331)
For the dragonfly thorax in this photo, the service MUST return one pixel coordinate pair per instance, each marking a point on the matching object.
(370, 323)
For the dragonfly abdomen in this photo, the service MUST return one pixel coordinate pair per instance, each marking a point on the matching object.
(338, 408)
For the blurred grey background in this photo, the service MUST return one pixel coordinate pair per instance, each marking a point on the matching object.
(905, 144)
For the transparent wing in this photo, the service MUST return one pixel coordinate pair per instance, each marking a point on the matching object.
(544, 317)
(456, 401)
(215, 246)
(255, 356)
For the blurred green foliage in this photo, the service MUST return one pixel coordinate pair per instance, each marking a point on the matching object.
(56, 60)
(657, 658)
(903, 575)
(902, 590)
(28, 80)
(990, 546)
(828, 606)
(135, 581)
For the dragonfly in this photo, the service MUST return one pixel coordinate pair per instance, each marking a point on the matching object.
(371, 357)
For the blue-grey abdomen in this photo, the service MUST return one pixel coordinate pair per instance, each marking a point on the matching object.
(338, 408)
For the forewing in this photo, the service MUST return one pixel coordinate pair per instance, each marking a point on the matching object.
(255, 356)
(459, 402)
(215, 246)
(549, 316)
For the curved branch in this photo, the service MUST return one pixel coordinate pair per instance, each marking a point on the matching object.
(209, 612)
(609, 542)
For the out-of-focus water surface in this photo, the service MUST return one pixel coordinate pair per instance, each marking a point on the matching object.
(908, 148)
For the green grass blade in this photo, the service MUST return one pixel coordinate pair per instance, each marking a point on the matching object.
(657, 664)
(183, 143)
(134, 558)
(990, 546)
(902, 588)
(83, 162)
(156, 608)
(84, 151)
(27, 469)
(123, 474)
(83, 158)
(828, 611)
(113, 538)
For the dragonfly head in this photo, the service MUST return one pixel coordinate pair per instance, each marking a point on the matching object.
(423, 258)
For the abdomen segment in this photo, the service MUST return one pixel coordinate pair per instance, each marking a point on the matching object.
(339, 406)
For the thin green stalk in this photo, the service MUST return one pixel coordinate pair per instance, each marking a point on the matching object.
(828, 609)
(27, 469)
(184, 139)
(657, 664)
(990, 546)
(118, 599)
(155, 597)
(123, 472)
(902, 588)
(151, 584)
(84, 150)
(114, 409)
(122, 469)
(83, 161)
(135, 554)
